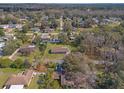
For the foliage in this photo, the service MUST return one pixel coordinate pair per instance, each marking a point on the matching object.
(21, 36)
(73, 63)
(46, 81)
(64, 37)
(11, 46)
(106, 81)
(25, 28)
(1, 32)
(67, 26)
(26, 64)
(55, 84)
(17, 63)
(5, 62)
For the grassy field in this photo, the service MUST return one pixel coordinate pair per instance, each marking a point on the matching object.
(5, 73)
(10, 70)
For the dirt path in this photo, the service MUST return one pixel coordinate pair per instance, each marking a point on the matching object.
(13, 56)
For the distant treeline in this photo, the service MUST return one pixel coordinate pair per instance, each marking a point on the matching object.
(38, 6)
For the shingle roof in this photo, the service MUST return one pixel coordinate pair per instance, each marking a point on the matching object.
(22, 79)
(59, 50)
(16, 80)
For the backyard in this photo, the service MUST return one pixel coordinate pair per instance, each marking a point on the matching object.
(49, 57)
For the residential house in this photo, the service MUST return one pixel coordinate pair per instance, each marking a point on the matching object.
(7, 26)
(55, 41)
(27, 50)
(47, 30)
(4, 26)
(45, 37)
(19, 81)
(35, 29)
(59, 50)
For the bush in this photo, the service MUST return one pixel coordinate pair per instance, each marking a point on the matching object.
(17, 63)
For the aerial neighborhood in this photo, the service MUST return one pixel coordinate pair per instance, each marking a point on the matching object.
(61, 46)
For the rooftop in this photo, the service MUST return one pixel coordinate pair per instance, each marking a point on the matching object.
(20, 79)
(59, 50)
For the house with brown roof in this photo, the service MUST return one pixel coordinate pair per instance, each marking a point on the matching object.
(27, 50)
(22, 79)
(59, 50)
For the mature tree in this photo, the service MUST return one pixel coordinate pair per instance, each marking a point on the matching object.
(43, 24)
(67, 26)
(106, 81)
(22, 36)
(25, 28)
(64, 38)
(74, 62)
(1, 32)
(37, 40)
(44, 81)
(11, 46)
(17, 63)
(26, 64)
(42, 47)
(53, 24)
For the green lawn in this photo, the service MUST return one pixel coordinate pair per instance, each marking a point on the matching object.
(48, 56)
(33, 84)
(5, 73)
(3, 78)
(10, 70)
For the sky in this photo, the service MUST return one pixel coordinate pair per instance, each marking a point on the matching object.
(61, 1)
